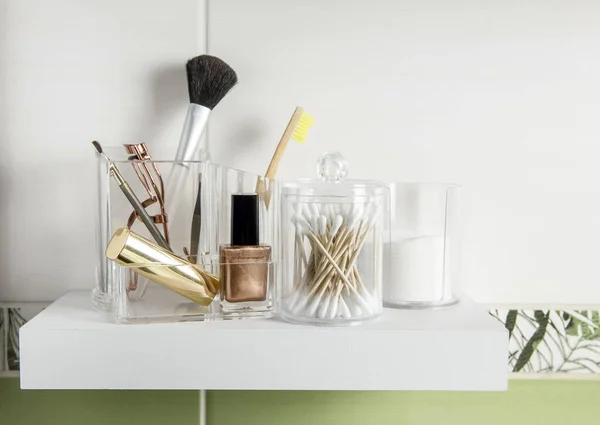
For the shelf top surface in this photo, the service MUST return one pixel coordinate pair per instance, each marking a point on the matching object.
(74, 311)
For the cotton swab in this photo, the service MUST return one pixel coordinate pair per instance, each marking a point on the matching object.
(331, 286)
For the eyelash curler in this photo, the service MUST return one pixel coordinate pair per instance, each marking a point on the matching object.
(153, 183)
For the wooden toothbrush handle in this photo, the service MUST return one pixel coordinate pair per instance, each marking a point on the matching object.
(283, 142)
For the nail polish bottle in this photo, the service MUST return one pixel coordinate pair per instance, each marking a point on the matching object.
(245, 263)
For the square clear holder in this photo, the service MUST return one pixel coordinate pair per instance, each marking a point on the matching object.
(152, 285)
(424, 246)
(153, 302)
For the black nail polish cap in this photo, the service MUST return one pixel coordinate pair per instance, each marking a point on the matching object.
(244, 219)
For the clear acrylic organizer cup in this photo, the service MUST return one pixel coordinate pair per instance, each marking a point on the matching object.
(197, 227)
(424, 245)
(157, 303)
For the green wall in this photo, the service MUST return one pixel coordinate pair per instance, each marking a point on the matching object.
(527, 402)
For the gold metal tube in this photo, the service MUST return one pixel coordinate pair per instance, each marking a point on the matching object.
(163, 267)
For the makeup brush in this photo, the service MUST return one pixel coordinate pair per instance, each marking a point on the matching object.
(209, 79)
(133, 199)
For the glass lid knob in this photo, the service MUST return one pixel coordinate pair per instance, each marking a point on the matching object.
(332, 167)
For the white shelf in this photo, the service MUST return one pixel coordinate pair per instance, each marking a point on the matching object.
(71, 346)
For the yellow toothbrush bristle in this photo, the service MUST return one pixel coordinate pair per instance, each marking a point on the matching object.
(301, 130)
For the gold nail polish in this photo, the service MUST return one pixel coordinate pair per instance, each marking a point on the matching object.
(245, 263)
(244, 272)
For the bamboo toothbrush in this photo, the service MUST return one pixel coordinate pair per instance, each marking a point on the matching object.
(296, 129)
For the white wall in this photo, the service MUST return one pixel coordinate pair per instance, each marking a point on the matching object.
(502, 96)
(73, 71)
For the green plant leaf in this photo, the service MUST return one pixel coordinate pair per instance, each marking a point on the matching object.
(531, 346)
(588, 321)
(511, 320)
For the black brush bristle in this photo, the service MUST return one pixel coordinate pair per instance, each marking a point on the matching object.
(209, 80)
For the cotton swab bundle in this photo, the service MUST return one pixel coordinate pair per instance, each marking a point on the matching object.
(327, 284)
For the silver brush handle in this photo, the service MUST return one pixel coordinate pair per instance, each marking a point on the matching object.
(191, 135)
(189, 146)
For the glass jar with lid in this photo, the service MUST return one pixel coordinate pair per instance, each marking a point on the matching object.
(332, 246)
